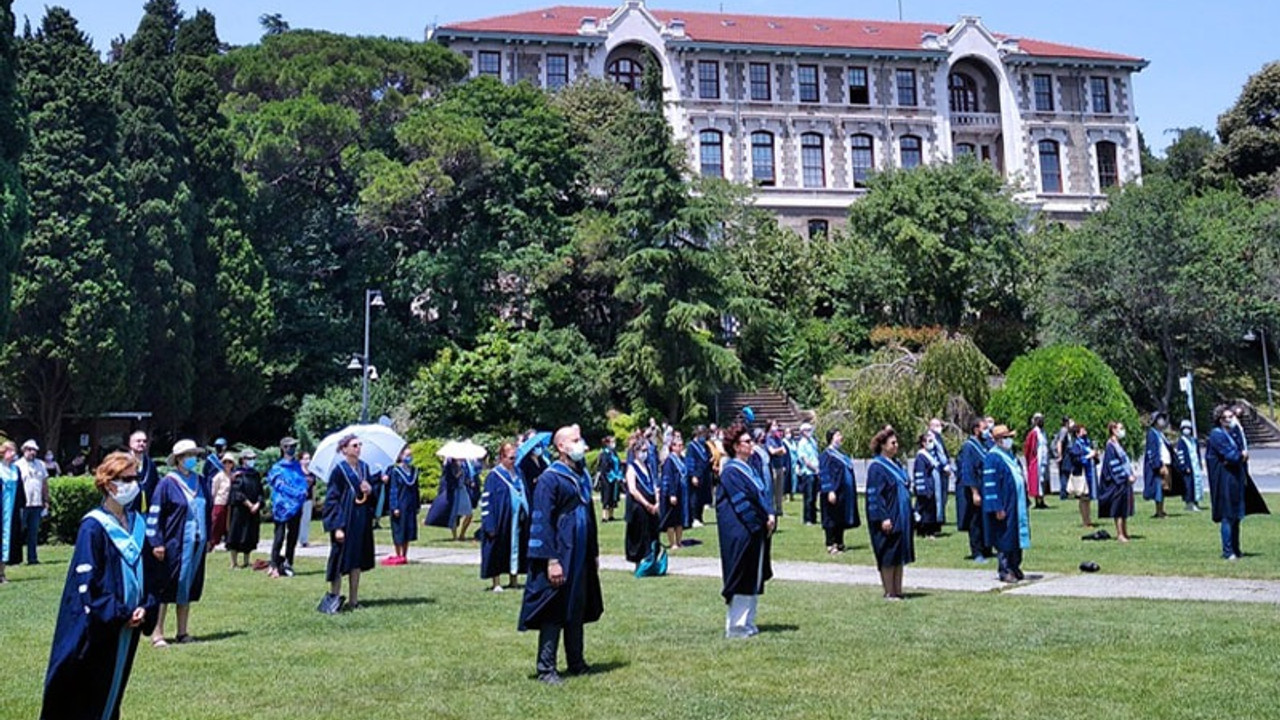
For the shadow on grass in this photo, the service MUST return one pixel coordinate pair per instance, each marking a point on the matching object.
(396, 602)
(215, 637)
(918, 595)
(778, 628)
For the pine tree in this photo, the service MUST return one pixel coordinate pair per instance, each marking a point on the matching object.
(157, 215)
(71, 304)
(13, 138)
(233, 311)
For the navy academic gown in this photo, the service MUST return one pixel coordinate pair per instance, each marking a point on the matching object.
(642, 528)
(1227, 476)
(148, 478)
(1003, 491)
(504, 525)
(743, 507)
(93, 649)
(441, 513)
(404, 497)
(970, 476)
(1254, 504)
(346, 510)
(835, 471)
(889, 498)
(243, 527)
(1152, 489)
(1115, 493)
(563, 527)
(699, 459)
(760, 462)
(930, 490)
(179, 519)
(1080, 448)
(674, 484)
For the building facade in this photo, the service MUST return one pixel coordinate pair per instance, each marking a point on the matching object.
(805, 109)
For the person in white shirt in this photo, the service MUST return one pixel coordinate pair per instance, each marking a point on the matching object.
(35, 490)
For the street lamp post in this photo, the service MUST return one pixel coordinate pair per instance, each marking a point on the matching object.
(372, 299)
(1266, 365)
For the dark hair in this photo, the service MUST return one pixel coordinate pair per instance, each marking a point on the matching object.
(922, 438)
(1221, 410)
(346, 440)
(1112, 426)
(975, 422)
(831, 433)
(732, 435)
(1080, 428)
(882, 437)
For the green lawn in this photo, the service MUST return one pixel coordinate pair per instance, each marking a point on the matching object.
(431, 644)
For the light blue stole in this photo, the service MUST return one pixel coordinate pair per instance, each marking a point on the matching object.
(519, 501)
(1020, 480)
(10, 482)
(129, 544)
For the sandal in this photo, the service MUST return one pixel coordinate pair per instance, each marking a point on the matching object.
(159, 643)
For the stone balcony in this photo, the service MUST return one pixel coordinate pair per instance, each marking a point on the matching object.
(975, 120)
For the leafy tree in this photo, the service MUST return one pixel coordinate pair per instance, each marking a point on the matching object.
(338, 405)
(1064, 380)
(1159, 281)
(13, 139)
(69, 349)
(1187, 156)
(157, 212)
(273, 24)
(1250, 134)
(601, 115)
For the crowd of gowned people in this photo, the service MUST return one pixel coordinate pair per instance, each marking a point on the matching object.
(144, 548)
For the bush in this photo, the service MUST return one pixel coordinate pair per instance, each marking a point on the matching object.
(1065, 380)
(429, 466)
(70, 498)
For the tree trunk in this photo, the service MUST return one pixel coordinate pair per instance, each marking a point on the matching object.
(1172, 370)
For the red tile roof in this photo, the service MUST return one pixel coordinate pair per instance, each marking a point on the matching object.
(730, 28)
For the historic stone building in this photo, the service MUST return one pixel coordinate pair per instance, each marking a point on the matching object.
(805, 108)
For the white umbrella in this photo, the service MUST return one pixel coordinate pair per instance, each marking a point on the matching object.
(461, 450)
(381, 448)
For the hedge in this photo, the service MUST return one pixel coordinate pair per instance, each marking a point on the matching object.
(70, 498)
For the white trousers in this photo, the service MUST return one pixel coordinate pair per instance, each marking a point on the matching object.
(740, 618)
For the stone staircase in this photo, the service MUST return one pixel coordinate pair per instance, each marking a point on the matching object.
(767, 403)
(1259, 430)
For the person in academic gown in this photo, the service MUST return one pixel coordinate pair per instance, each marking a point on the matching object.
(348, 518)
(244, 509)
(148, 475)
(744, 523)
(108, 602)
(11, 503)
(839, 492)
(643, 508)
(1187, 456)
(698, 456)
(1157, 463)
(1004, 501)
(504, 522)
(674, 494)
(1227, 477)
(608, 478)
(930, 489)
(889, 516)
(563, 591)
(969, 517)
(1035, 454)
(759, 460)
(178, 532)
(1254, 503)
(402, 483)
(1083, 464)
(452, 507)
(1115, 486)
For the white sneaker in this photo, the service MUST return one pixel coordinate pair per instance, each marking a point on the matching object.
(698, 524)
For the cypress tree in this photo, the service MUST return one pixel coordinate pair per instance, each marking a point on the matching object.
(13, 139)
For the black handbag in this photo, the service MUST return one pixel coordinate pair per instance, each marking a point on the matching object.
(330, 604)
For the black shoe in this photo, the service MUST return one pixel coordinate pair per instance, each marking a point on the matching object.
(34, 562)
(550, 678)
(583, 669)
(1019, 574)
(1007, 578)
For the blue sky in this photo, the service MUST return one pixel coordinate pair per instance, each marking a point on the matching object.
(1200, 53)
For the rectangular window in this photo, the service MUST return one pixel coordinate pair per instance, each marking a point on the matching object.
(1043, 89)
(906, 87)
(1100, 91)
(819, 229)
(813, 162)
(708, 80)
(557, 71)
(761, 84)
(1050, 167)
(912, 155)
(1108, 176)
(808, 77)
(712, 153)
(859, 88)
(863, 159)
(489, 63)
(762, 158)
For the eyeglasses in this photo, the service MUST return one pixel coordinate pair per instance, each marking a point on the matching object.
(746, 440)
(127, 478)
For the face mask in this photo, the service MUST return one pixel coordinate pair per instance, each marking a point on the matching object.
(290, 452)
(986, 434)
(1186, 431)
(408, 459)
(1120, 433)
(928, 445)
(1006, 443)
(250, 463)
(642, 455)
(126, 492)
(190, 464)
(578, 451)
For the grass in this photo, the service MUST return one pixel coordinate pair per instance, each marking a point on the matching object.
(430, 644)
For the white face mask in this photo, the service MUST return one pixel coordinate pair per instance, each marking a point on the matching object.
(1120, 433)
(1006, 443)
(928, 445)
(126, 492)
(250, 463)
(577, 451)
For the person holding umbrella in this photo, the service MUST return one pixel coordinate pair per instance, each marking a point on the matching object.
(348, 518)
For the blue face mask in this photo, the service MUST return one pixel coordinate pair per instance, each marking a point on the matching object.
(408, 459)
(190, 464)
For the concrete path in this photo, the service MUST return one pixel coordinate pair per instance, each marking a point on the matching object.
(1046, 584)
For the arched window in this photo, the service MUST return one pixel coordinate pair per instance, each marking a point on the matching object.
(762, 158)
(862, 156)
(626, 72)
(964, 93)
(1108, 171)
(711, 153)
(813, 162)
(1050, 167)
(910, 151)
(965, 148)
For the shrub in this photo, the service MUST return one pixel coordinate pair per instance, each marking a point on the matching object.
(1065, 380)
(911, 338)
(69, 499)
(429, 466)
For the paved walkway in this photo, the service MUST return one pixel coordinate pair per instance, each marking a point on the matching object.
(1047, 584)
